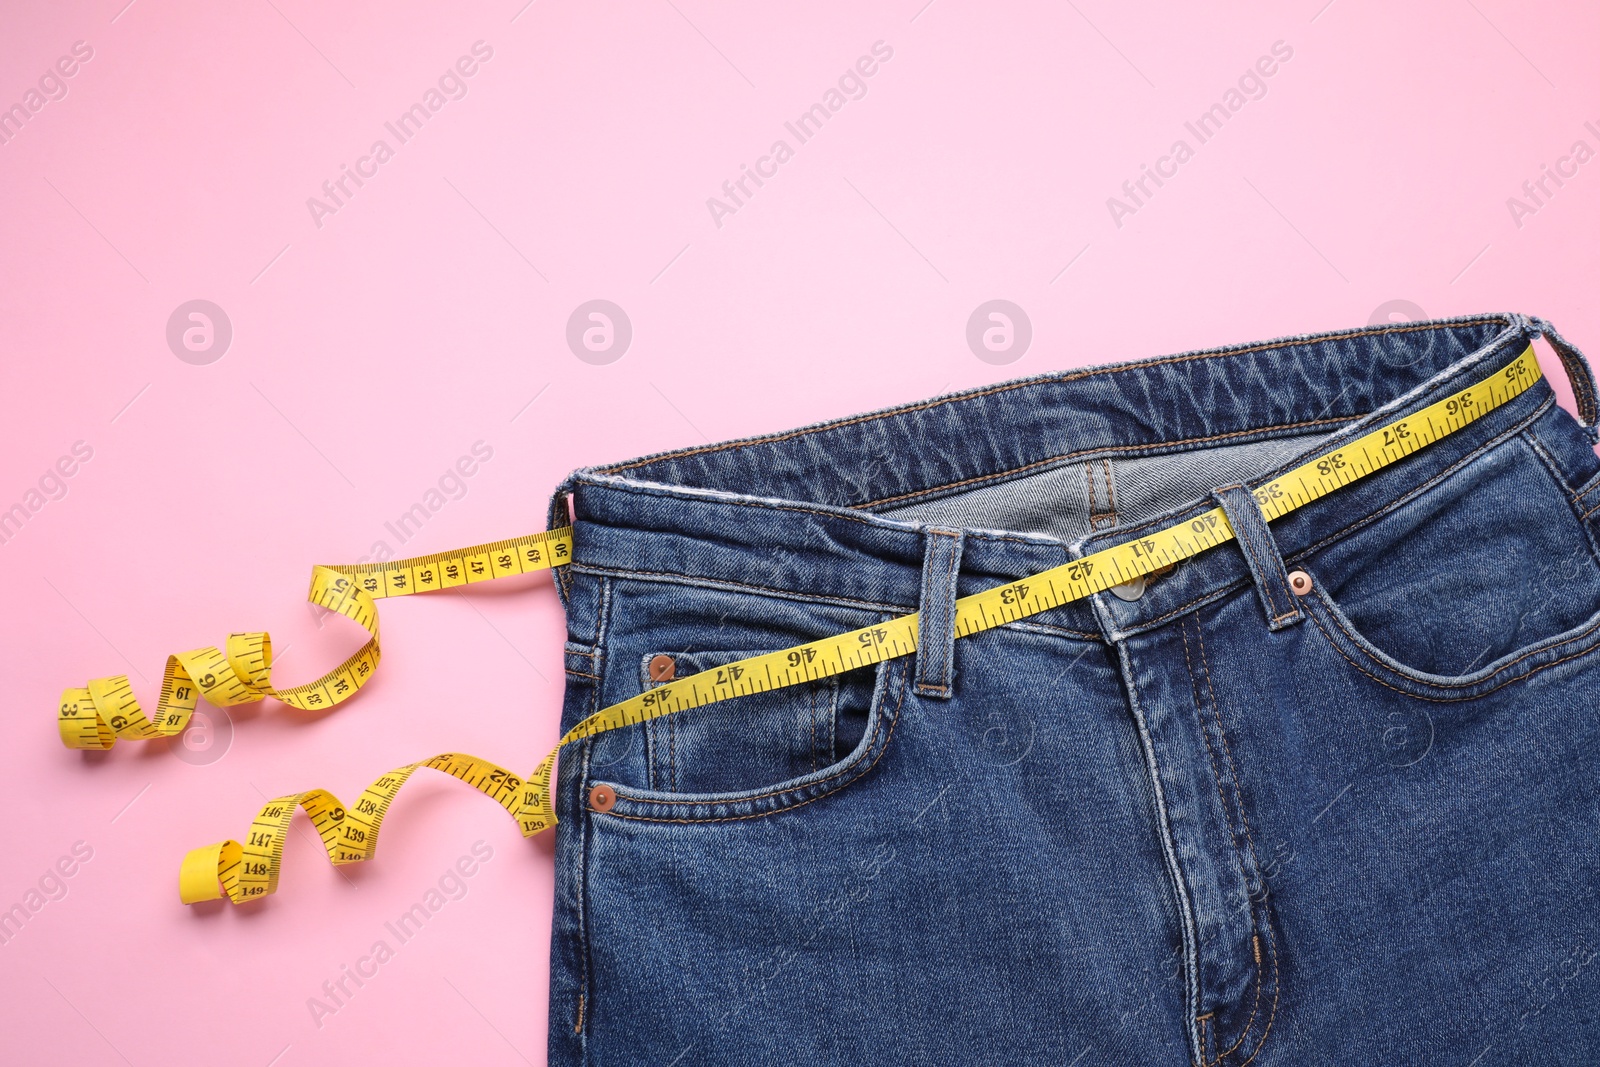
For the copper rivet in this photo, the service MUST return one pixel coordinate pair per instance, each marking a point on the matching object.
(601, 798)
(1300, 582)
(662, 668)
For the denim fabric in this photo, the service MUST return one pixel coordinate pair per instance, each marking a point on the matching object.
(1203, 820)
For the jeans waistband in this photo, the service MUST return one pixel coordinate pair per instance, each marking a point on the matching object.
(793, 512)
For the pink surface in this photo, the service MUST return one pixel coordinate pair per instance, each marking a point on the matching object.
(378, 339)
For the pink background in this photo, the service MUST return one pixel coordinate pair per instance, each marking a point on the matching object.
(430, 311)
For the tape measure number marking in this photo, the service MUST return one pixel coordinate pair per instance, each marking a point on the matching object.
(95, 716)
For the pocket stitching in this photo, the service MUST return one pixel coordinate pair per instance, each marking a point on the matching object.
(892, 717)
(821, 690)
(1361, 643)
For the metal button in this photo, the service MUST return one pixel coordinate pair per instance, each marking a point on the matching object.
(1130, 591)
(602, 798)
(662, 668)
(1300, 582)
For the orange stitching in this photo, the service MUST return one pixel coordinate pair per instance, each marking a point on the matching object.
(1530, 436)
(1266, 913)
(702, 581)
(1334, 643)
(950, 575)
(1263, 581)
(1094, 505)
(813, 731)
(1111, 490)
(1065, 456)
(947, 656)
(672, 753)
(602, 621)
(675, 493)
(1216, 774)
(621, 792)
(1467, 685)
(1590, 486)
(1087, 373)
(1204, 598)
(894, 718)
(1580, 388)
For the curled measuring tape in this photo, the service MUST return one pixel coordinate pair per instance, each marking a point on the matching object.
(248, 870)
(95, 716)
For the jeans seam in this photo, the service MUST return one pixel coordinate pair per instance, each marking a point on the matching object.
(944, 636)
(698, 582)
(1101, 451)
(1216, 775)
(1140, 365)
(1452, 685)
(726, 584)
(650, 746)
(773, 792)
(1573, 363)
(892, 719)
(1266, 914)
(1174, 864)
(585, 826)
(672, 753)
(1531, 436)
(1588, 487)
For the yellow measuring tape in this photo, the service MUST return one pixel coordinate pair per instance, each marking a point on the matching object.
(248, 870)
(95, 716)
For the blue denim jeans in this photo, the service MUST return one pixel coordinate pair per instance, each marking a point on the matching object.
(1198, 819)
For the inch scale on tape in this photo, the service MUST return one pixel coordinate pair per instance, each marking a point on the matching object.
(95, 716)
(248, 870)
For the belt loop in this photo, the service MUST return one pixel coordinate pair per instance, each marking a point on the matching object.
(1578, 373)
(558, 516)
(936, 614)
(1261, 555)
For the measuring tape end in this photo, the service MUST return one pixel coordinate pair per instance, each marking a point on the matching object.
(199, 878)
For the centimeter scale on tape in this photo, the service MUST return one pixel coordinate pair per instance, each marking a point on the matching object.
(94, 717)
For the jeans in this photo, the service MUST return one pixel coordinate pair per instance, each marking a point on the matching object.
(1202, 818)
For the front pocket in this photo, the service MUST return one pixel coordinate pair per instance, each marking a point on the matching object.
(754, 755)
(764, 737)
(1474, 577)
(1511, 668)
